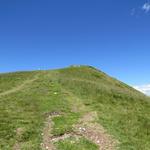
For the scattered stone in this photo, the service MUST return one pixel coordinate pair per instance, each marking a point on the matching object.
(46, 147)
(82, 129)
(87, 128)
(47, 143)
(52, 114)
(95, 132)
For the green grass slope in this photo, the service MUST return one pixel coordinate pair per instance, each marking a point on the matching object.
(27, 97)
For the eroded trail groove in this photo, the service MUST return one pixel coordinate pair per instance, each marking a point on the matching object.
(94, 132)
(86, 127)
(90, 129)
(47, 140)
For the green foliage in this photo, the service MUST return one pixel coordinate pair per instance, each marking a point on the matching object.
(76, 144)
(123, 111)
(64, 124)
(10, 80)
(26, 109)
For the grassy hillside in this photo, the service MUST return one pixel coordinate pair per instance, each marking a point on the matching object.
(45, 109)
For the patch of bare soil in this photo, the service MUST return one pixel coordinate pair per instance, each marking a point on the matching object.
(17, 145)
(65, 136)
(93, 131)
(47, 143)
(87, 127)
(48, 138)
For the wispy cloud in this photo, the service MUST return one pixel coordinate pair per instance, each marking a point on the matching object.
(139, 10)
(143, 88)
(146, 7)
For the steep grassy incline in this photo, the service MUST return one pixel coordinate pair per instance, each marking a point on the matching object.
(72, 108)
(123, 111)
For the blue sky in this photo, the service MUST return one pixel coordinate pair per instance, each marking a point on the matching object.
(111, 35)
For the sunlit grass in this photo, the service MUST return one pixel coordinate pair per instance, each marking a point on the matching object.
(123, 111)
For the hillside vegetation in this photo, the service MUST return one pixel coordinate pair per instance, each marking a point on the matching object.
(72, 108)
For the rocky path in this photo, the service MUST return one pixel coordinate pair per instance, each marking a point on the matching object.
(86, 127)
(47, 137)
(93, 131)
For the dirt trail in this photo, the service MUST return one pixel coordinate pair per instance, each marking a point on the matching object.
(19, 87)
(76, 103)
(87, 127)
(17, 145)
(19, 131)
(47, 141)
(91, 130)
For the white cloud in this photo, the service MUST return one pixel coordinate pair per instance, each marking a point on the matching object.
(143, 88)
(138, 11)
(146, 7)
